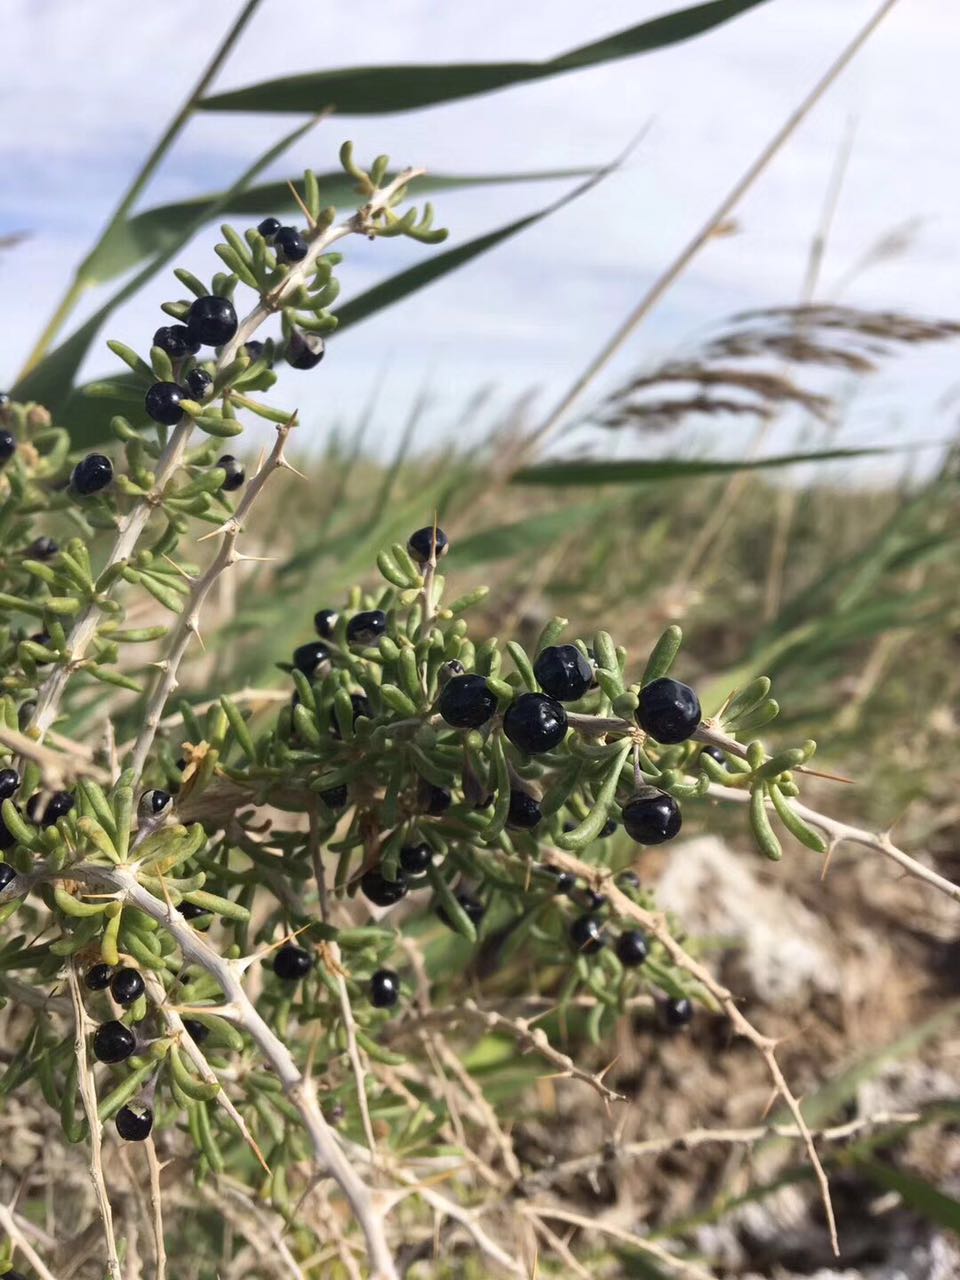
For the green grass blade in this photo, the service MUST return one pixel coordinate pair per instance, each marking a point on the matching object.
(376, 90)
(635, 471)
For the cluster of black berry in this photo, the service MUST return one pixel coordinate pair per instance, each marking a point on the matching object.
(479, 707)
(90, 475)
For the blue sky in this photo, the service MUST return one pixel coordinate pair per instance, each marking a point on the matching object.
(87, 88)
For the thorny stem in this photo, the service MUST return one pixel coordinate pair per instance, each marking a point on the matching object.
(10, 1225)
(694, 1138)
(174, 1024)
(679, 1265)
(188, 623)
(838, 832)
(656, 925)
(353, 1048)
(88, 1094)
(133, 523)
(368, 1206)
(156, 1202)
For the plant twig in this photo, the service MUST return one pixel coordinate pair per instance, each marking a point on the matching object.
(838, 832)
(532, 1038)
(10, 1225)
(656, 924)
(88, 1094)
(156, 1203)
(188, 623)
(369, 1206)
(353, 1049)
(133, 524)
(694, 1138)
(174, 1024)
(680, 1266)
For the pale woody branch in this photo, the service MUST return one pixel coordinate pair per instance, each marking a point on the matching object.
(188, 623)
(656, 925)
(88, 1093)
(133, 524)
(369, 1206)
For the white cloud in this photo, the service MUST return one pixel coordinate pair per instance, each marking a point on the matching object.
(91, 87)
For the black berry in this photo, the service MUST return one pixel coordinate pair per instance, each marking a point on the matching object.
(292, 963)
(415, 858)
(677, 1013)
(134, 1126)
(7, 838)
(472, 906)
(361, 706)
(254, 350)
(309, 657)
(198, 382)
(335, 797)
(162, 403)
(33, 806)
(563, 672)
(366, 627)
(290, 244)
(564, 881)
(153, 802)
(609, 827)
(269, 227)
(421, 544)
(190, 911)
(126, 986)
(8, 446)
(467, 702)
(58, 806)
(7, 875)
(212, 321)
(197, 1031)
(632, 948)
(235, 474)
(652, 819)
(715, 754)
(9, 783)
(113, 1042)
(381, 891)
(42, 549)
(91, 474)
(175, 340)
(304, 350)
(384, 989)
(524, 812)
(587, 935)
(593, 901)
(435, 800)
(535, 722)
(98, 977)
(669, 711)
(324, 621)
